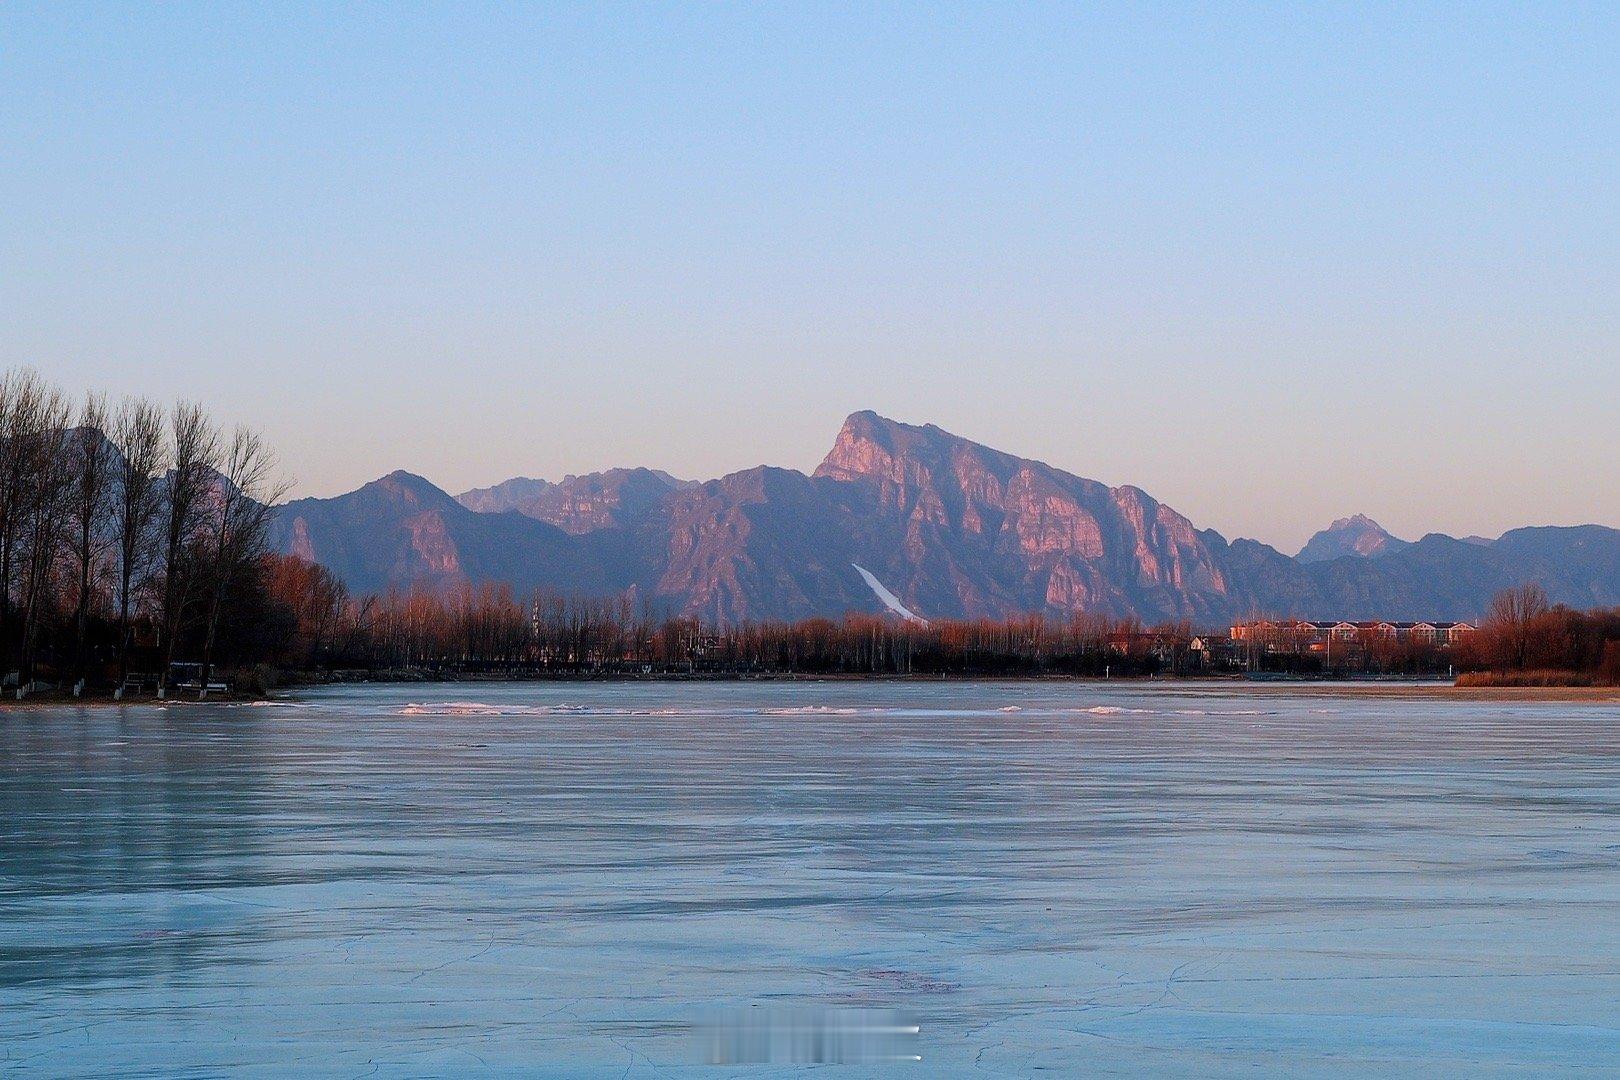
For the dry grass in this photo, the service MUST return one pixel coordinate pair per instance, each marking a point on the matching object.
(1544, 677)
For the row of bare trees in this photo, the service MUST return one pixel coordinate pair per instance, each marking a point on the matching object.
(128, 532)
(487, 628)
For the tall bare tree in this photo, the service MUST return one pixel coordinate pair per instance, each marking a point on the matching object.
(193, 452)
(21, 396)
(43, 510)
(90, 465)
(138, 433)
(1509, 622)
(234, 529)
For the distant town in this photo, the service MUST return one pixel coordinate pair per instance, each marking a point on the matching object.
(1359, 644)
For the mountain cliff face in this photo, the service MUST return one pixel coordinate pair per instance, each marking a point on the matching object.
(1359, 535)
(956, 529)
(952, 528)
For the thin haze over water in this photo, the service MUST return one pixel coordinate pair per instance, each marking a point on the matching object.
(583, 880)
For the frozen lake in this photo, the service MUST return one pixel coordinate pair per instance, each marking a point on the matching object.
(575, 880)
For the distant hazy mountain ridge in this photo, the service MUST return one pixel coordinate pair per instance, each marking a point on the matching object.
(950, 528)
(578, 504)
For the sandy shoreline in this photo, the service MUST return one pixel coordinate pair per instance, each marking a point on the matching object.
(1419, 691)
(1435, 691)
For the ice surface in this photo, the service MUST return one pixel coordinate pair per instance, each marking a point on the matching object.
(574, 880)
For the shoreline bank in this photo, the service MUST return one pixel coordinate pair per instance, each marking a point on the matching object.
(1394, 689)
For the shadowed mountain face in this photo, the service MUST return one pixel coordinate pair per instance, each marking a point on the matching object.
(761, 544)
(952, 528)
(403, 531)
(1359, 535)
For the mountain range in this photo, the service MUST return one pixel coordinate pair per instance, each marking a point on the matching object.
(944, 527)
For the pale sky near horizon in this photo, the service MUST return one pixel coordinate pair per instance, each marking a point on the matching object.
(1275, 265)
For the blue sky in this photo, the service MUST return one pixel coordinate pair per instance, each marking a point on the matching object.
(1273, 264)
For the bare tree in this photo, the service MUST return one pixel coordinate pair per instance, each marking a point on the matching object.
(41, 508)
(234, 529)
(90, 464)
(20, 396)
(1509, 622)
(138, 433)
(193, 451)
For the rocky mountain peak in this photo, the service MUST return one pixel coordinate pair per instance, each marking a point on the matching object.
(1357, 535)
(870, 445)
(867, 445)
(410, 489)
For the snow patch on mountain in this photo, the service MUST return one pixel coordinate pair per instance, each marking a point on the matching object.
(890, 601)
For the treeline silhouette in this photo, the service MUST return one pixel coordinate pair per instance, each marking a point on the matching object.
(131, 536)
